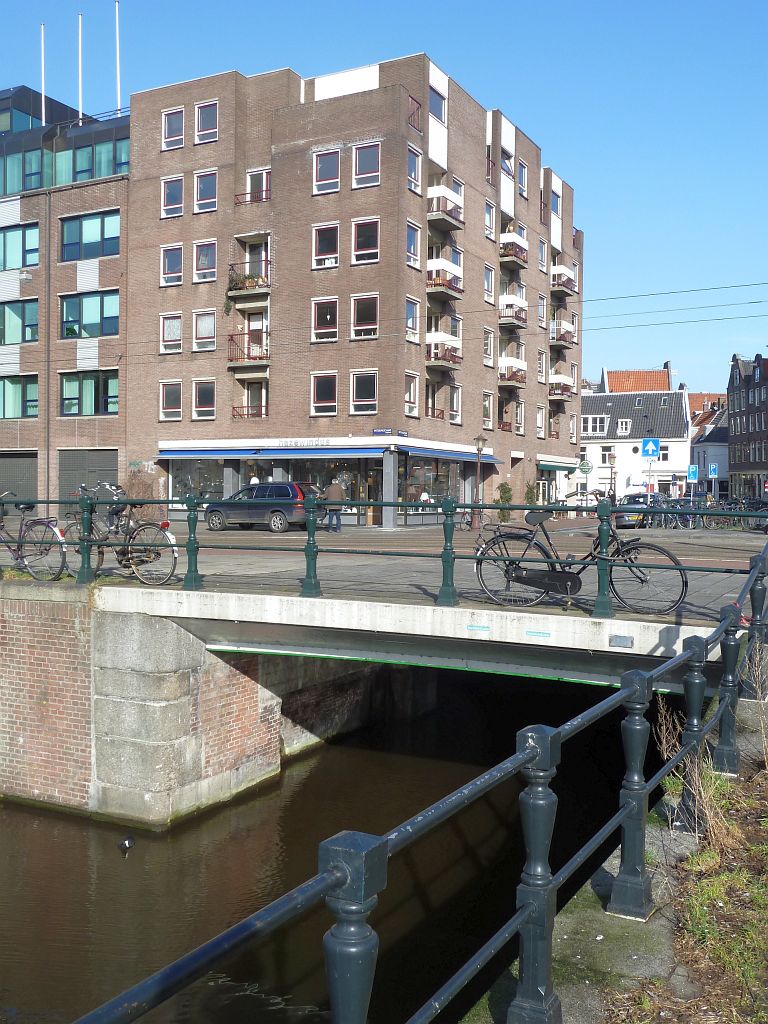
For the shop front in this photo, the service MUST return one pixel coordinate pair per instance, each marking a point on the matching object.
(554, 478)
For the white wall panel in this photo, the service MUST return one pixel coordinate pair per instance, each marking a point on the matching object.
(438, 142)
(87, 353)
(508, 132)
(10, 360)
(507, 194)
(10, 212)
(438, 79)
(344, 83)
(87, 275)
(10, 288)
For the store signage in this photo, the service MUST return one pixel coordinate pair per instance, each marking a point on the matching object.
(382, 430)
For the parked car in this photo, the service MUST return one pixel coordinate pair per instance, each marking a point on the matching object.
(280, 505)
(630, 510)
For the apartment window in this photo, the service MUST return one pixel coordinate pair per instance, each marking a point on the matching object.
(437, 105)
(412, 320)
(455, 327)
(19, 247)
(171, 198)
(736, 379)
(325, 320)
(522, 230)
(365, 241)
(18, 322)
(83, 163)
(365, 316)
(412, 244)
(456, 256)
(519, 417)
(205, 261)
(91, 236)
(541, 365)
(170, 265)
(325, 246)
(572, 427)
(664, 453)
(90, 315)
(173, 128)
(411, 394)
(326, 177)
(206, 121)
(542, 310)
(18, 397)
(575, 375)
(203, 330)
(575, 268)
(33, 165)
(89, 394)
(593, 424)
(623, 427)
(488, 346)
(507, 164)
(367, 165)
(540, 420)
(490, 220)
(457, 187)
(522, 178)
(454, 403)
(414, 170)
(488, 283)
(259, 185)
(205, 191)
(170, 332)
(324, 397)
(556, 200)
(575, 322)
(542, 255)
(606, 451)
(170, 400)
(363, 392)
(203, 399)
(487, 406)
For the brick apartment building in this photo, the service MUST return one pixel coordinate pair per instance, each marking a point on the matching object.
(352, 275)
(748, 427)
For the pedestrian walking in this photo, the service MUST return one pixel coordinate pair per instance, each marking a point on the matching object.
(335, 496)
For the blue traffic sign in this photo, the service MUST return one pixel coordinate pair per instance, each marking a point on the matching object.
(651, 448)
(693, 474)
(712, 473)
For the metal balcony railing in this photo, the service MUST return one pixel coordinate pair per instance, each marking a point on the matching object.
(506, 425)
(249, 412)
(243, 198)
(443, 205)
(437, 279)
(435, 414)
(414, 113)
(435, 352)
(513, 250)
(248, 346)
(250, 276)
(512, 376)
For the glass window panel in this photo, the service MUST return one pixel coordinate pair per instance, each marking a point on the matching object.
(12, 389)
(122, 156)
(91, 237)
(13, 249)
(33, 163)
(5, 120)
(70, 395)
(206, 394)
(171, 328)
(64, 167)
(2, 169)
(327, 241)
(367, 159)
(31, 254)
(70, 317)
(70, 240)
(111, 313)
(30, 320)
(366, 311)
(83, 163)
(173, 125)
(88, 394)
(111, 245)
(206, 189)
(367, 237)
(110, 393)
(205, 325)
(30, 397)
(13, 172)
(91, 313)
(365, 386)
(171, 397)
(105, 159)
(208, 118)
(12, 324)
(325, 388)
(436, 104)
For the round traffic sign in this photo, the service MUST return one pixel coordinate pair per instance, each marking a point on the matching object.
(586, 467)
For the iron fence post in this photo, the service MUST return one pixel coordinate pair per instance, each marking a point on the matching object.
(757, 627)
(535, 1000)
(631, 892)
(687, 817)
(603, 608)
(725, 756)
(85, 573)
(310, 586)
(351, 946)
(447, 596)
(192, 579)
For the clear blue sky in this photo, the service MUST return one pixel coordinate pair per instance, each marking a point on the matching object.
(655, 112)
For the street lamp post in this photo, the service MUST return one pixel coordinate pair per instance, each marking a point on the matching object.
(480, 443)
(611, 484)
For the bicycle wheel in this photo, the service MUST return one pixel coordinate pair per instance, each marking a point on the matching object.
(42, 552)
(151, 554)
(502, 576)
(73, 554)
(710, 522)
(657, 589)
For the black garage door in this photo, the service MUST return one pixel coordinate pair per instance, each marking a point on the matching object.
(86, 466)
(18, 473)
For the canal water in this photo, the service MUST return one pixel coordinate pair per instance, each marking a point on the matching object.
(79, 922)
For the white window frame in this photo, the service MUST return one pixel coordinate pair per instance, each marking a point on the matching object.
(455, 326)
(373, 404)
(414, 184)
(329, 333)
(456, 250)
(318, 409)
(163, 275)
(440, 118)
(663, 453)
(519, 417)
(213, 132)
(176, 141)
(623, 427)
(196, 278)
(365, 180)
(507, 166)
(322, 187)
(490, 222)
(522, 178)
(200, 207)
(209, 343)
(457, 186)
(174, 414)
(413, 259)
(172, 346)
(195, 408)
(556, 207)
(325, 262)
(543, 255)
(541, 421)
(541, 366)
(353, 328)
(572, 428)
(412, 333)
(356, 260)
(164, 215)
(489, 293)
(541, 310)
(412, 385)
(521, 230)
(489, 341)
(575, 375)
(454, 415)
(265, 193)
(487, 420)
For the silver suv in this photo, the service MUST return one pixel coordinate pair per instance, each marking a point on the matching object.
(280, 505)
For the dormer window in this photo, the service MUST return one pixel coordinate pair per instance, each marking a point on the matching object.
(623, 427)
(638, 403)
(663, 401)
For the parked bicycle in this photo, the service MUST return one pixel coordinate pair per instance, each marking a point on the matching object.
(643, 577)
(39, 548)
(464, 521)
(148, 549)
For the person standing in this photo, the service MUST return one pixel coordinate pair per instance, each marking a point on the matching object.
(334, 495)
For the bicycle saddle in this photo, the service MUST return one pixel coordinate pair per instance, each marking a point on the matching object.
(534, 518)
(24, 506)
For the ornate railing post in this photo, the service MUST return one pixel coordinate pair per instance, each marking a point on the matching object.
(447, 596)
(757, 593)
(631, 892)
(687, 817)
(351, 946)
(310, 586)
(535, 1001)
(85, 573)
(603, 608)
(192, 579)
(725, 756)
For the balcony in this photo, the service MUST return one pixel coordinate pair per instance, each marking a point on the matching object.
(562, 334)
(443, 209)
(563, 281)
(249, 412)
(506, 425)
(513, 311)
(513, 249)
(248, 348)
(512, 372)
(442, 356)
(434, 414)
(442, 280)
(560, 388)
(249, 280)
(245, 198)
(553, 435)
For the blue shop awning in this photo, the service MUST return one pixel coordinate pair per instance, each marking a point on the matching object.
(434, 453)
(206, 453)
(319, 453)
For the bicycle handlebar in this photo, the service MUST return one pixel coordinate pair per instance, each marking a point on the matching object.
(8, 494)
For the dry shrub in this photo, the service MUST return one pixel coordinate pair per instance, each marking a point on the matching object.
(756, 669)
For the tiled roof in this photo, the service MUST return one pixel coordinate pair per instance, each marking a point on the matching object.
(658, 415)
(638, 380)
(718, 430)
(701, 400)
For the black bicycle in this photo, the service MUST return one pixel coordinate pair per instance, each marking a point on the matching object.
(39, 547)
(517, 568)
